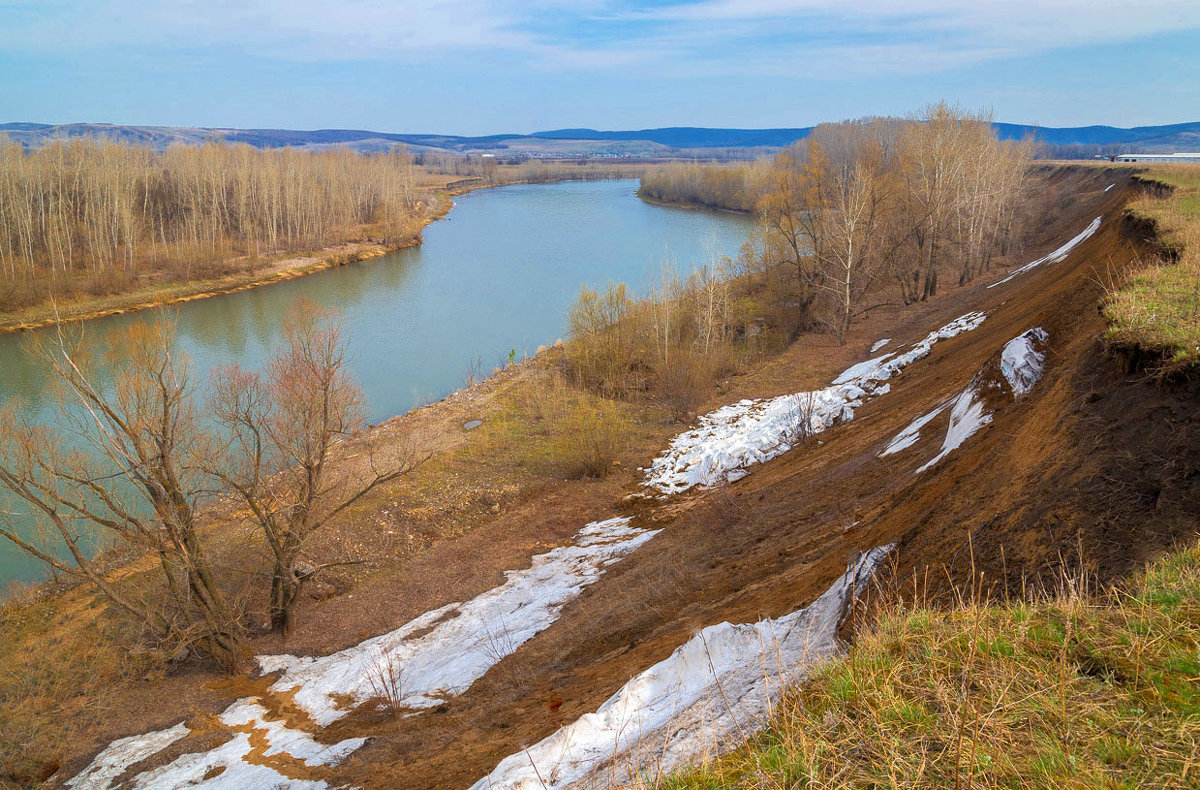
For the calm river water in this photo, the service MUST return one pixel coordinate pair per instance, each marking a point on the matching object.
(497, 275)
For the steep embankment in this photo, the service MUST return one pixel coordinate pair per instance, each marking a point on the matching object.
(1015, 472)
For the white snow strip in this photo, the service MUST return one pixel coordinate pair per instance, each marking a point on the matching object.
(714, 691)
(909, 436)
(749, 432)
(967, 416)
(1110, 186)
(880, 344)
(443, 652)
(1057, 255)
(238, 763)
(120, 754)
(1021, 362)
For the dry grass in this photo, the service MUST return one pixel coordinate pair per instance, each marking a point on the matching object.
(1071, 691)
(670, 347)
(1159, 309)
(59, 660)
(566, 430)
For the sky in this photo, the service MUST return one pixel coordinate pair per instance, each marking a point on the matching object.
(491, 66)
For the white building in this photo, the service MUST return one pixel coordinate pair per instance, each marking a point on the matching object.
(1184, 157)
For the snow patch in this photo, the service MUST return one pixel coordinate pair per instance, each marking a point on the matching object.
(1110, 186)
(1021, 362)
(880, 344)
(750, 432)
(1057, 255)
(120, 754)
(967, 416)
(909, 436)
(442, 652)
(714, 691)
(245, 760)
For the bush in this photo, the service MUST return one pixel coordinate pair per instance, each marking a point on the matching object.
(670, 347)
(592, 439)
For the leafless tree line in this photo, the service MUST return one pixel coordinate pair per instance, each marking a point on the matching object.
(841, 215)
(508, 169)
(907, 200)
(92, 212)
(733, 187)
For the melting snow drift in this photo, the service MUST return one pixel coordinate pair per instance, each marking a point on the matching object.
(878, 344)
(121, 754)
(1021, 362)
(909, 436)
(967, 416)
(754, 431)
(715, 689)
(439, 654)
(444, 651)
(1057, 255)
(261, 753)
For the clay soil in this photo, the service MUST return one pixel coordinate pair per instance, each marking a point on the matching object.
(1095, 467)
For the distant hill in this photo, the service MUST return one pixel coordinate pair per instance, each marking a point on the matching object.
(690, 136)
(680, 140)
(1140, 139)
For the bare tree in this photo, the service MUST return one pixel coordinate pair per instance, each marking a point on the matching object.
(845, 199)
(780, 213)
(283, 430)
(136, 482)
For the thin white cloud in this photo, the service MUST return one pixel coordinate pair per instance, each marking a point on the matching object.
(1020, 24)
(707, 37)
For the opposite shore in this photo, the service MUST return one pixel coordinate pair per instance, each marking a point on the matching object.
(285, 267)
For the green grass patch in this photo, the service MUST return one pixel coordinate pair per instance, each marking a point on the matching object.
(1159, 309)
(1064, 692)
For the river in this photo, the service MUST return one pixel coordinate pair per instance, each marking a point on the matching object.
(496, 276)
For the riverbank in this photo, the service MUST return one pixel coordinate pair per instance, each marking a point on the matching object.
(690, 205)
(279, 269)
(276, 269)
(174, 293)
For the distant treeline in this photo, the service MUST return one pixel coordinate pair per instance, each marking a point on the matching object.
(732, 187)
(91, 216)
(1083, 150)
(514, 169)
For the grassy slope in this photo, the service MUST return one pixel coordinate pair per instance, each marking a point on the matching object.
(1072, 691)
(1159, 309)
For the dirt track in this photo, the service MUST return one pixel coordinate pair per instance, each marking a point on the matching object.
(1093, 464)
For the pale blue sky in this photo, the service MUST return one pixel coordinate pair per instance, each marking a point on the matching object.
(489, 66)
